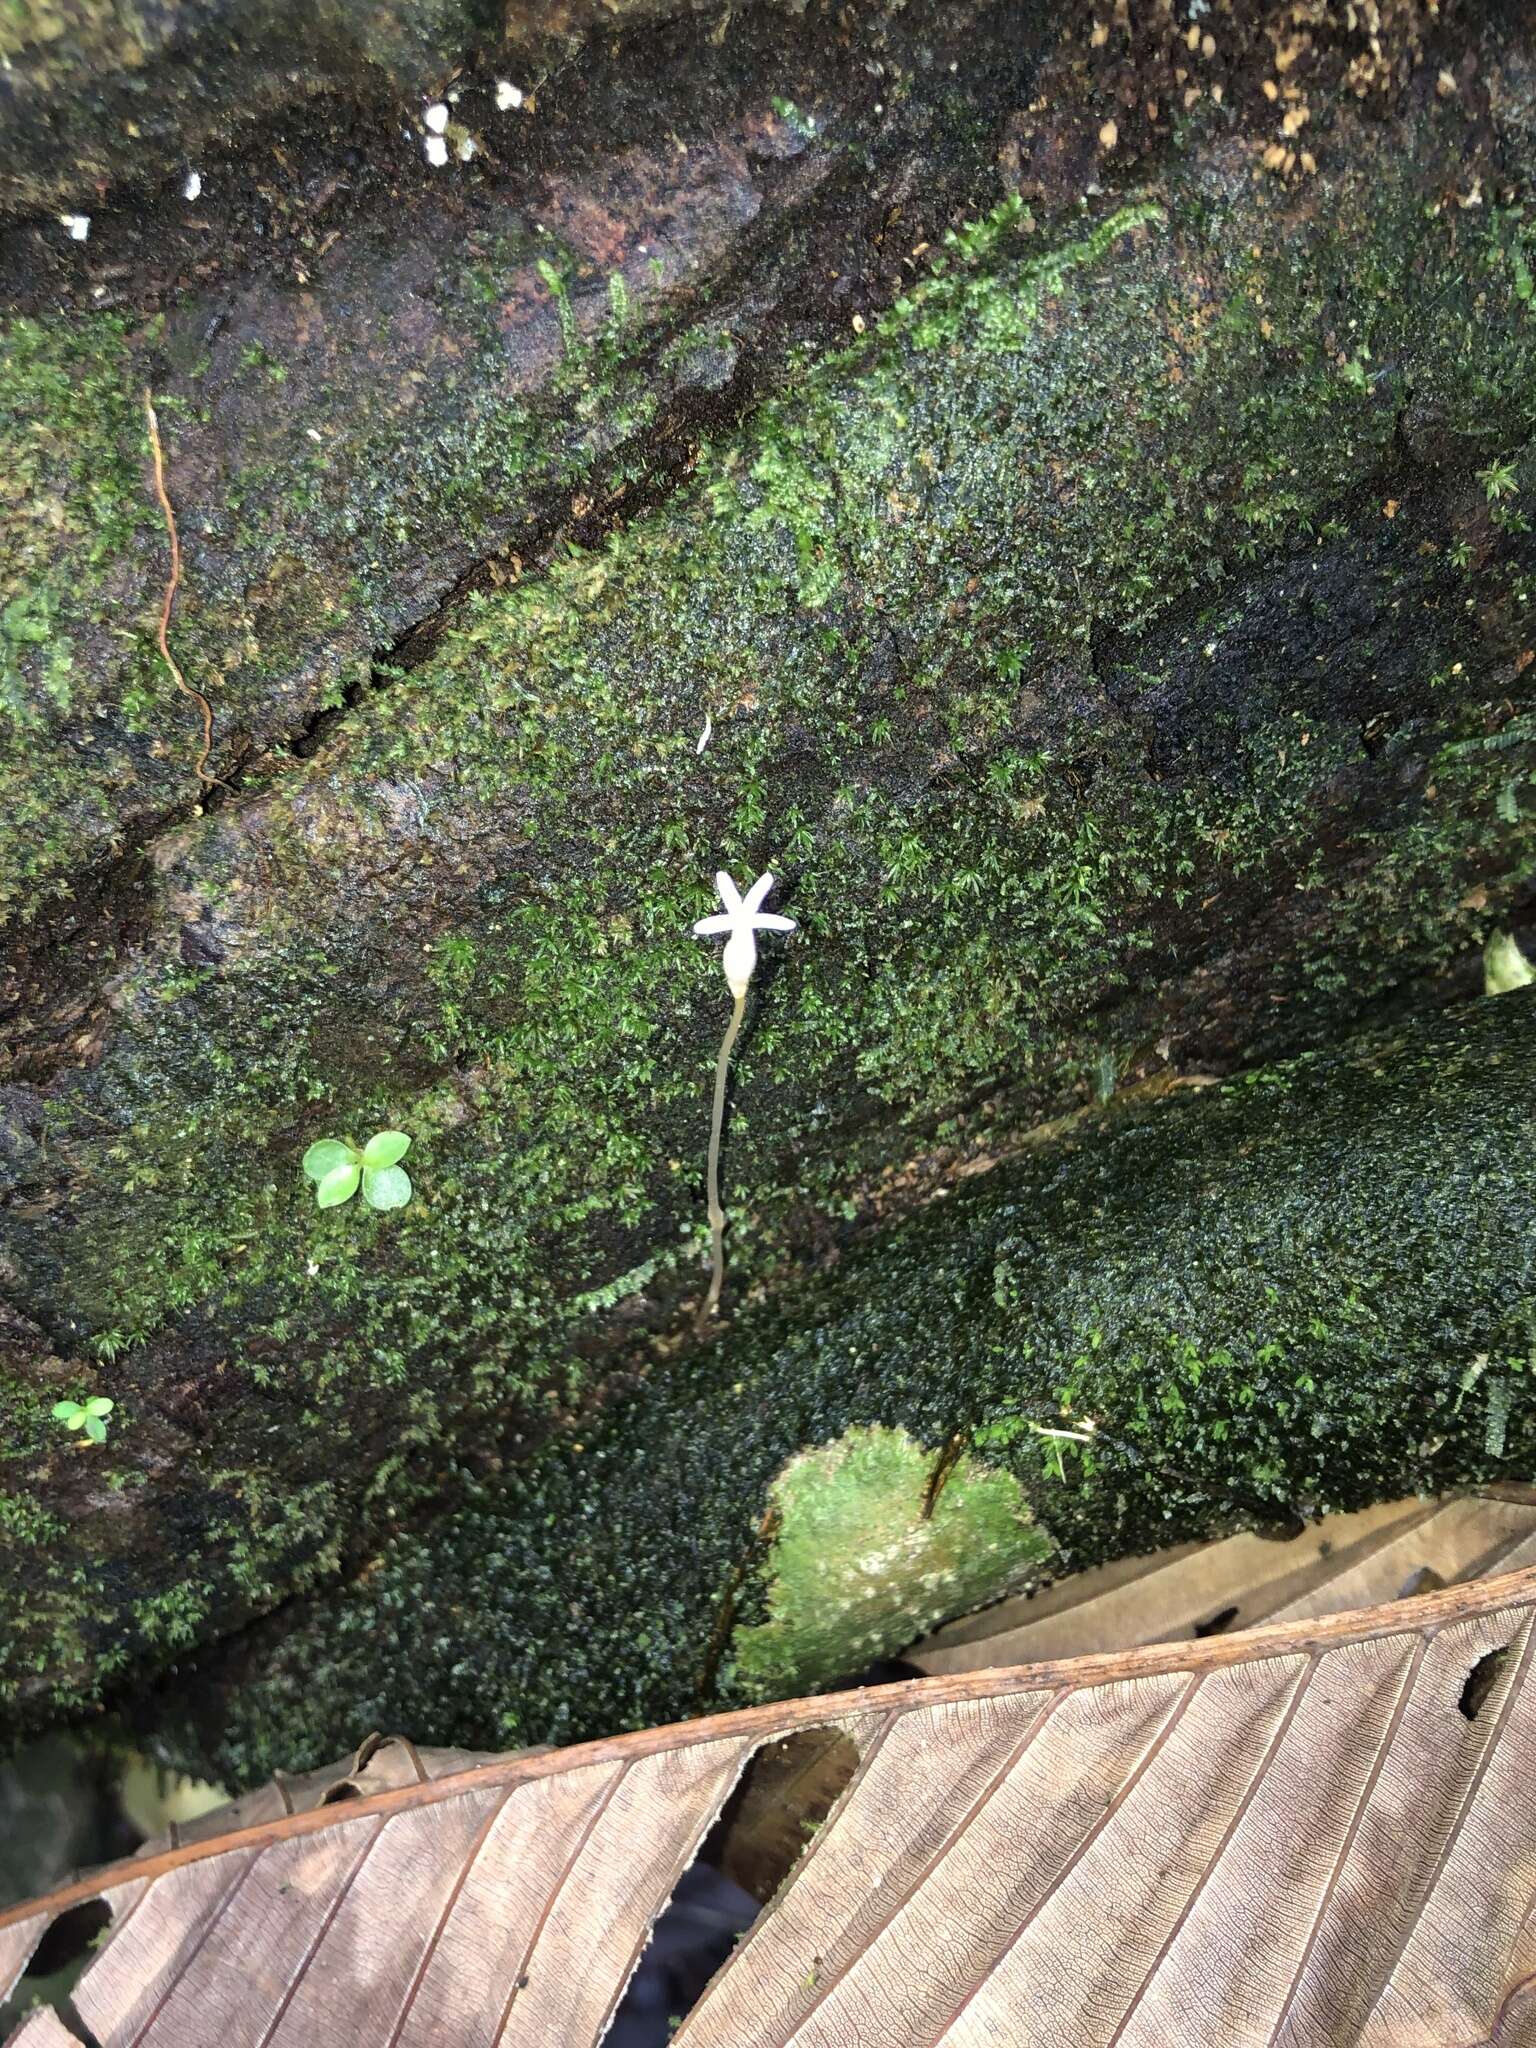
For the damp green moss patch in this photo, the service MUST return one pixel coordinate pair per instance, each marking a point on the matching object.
(1251, 1304)
(876, 1541)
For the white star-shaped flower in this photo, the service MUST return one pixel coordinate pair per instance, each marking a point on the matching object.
(743, 918)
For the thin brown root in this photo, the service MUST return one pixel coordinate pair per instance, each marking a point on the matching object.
(173, 584)
(711, 1302)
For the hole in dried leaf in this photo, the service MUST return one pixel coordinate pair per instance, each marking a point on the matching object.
(764, 1828)
(56, 1965)
(1481, 1680)
(76, 2025)
(1218, 1623)
(1425, 1580)
(785, 1794)
(694, 1934)
(67, 1939)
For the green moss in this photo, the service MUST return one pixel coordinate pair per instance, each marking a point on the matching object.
(72, 501)
(876, 1543)
(979, 857)
(1042, 710)
(294, 559)
(1285, 1295)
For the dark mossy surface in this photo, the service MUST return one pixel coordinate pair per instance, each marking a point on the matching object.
(1304, 1290)
(92, 90)
(1119, 651)
(418, 377)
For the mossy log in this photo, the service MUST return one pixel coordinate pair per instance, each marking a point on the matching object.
(1303, 1290)
(1087, 568)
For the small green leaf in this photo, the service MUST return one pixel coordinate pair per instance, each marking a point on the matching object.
(384, 1148)
(325, 1156)
(66, 1411)
(95, 1429)
(339, 1185)
(389, 1188)
(98, 1405)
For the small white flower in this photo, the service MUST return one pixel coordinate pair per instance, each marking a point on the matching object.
(709, 726)
(508, 96)
(437, 151)
(743, 918)
(436, 117)
(192, 185)
(466, 149)
(79, 225)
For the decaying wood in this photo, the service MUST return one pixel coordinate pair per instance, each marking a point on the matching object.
(1316, 1833)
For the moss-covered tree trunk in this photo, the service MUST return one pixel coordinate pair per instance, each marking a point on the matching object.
(1054, 500)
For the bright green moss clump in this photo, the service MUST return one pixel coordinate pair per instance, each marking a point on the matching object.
(873, 1542)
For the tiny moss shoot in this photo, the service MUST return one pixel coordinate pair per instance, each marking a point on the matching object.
(740, 921)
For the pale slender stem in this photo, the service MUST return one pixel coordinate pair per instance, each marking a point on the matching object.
(172, 585)
(716, 1124)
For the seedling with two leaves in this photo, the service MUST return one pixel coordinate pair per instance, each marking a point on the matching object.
(337, 1168)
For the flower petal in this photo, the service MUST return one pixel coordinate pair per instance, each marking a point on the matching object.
(767, 921)
(757, 895)
(729, 894)
(711, 927)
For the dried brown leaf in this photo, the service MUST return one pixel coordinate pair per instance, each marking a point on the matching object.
(1314, 1833)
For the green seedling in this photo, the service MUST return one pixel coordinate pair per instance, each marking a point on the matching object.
(338, 1168)
(90, 1416)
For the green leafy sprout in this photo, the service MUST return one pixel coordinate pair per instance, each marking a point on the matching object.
(91, 1416)
(337, 1167)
